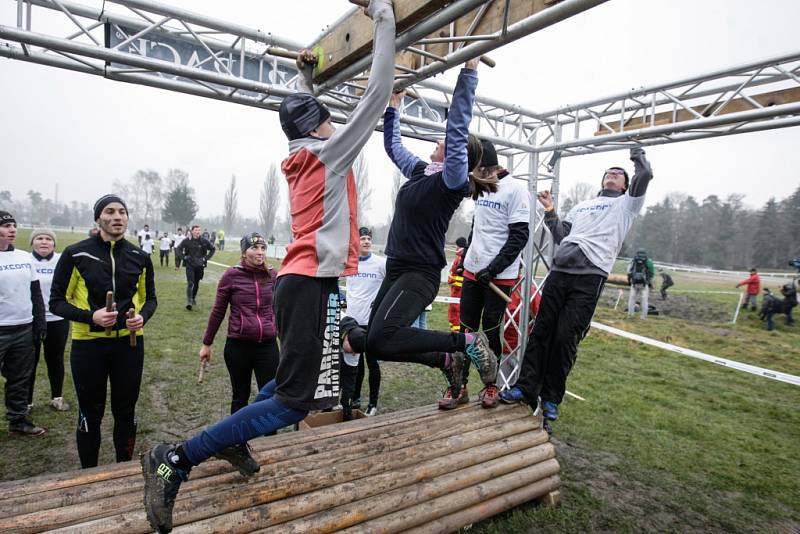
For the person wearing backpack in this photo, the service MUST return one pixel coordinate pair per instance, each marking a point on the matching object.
(640, 277)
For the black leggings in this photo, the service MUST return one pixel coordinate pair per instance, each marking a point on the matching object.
(477, 301)
(163, 257)
(94, 364)
(403, 295)
(245, 358)
(193, 277)
(54, 344)
(374, 378)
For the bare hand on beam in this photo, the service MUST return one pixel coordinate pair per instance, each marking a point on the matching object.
(472, 63)
(396, 100)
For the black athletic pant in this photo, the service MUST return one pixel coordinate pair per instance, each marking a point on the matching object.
(565, 313)
(95, 363)
(481, 305)
(244, 359)
(163, 257)
(405, 292)
(54, 344)
(374, 379)
(193, 277)
(16, 366)
(177, 259)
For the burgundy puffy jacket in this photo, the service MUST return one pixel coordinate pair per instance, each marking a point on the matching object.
(249, 292)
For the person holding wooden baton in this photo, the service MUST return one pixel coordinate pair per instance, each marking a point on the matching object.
(102, 350)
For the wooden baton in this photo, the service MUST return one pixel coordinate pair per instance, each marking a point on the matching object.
(499, 292)
(131, 315)
(109, 307)
(201, 373)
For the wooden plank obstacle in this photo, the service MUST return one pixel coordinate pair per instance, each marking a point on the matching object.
(418, 470)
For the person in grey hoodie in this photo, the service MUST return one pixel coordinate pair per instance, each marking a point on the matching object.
(589, 239)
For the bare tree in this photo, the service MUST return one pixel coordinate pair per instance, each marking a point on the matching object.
(269, 201)
(231, 205)
(363, 189)
(577, 193)
(143, 194)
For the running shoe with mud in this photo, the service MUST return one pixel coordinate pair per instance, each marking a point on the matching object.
(450, 401)
(239, 457)
(162, 480)
(488, 396)
(483, 357)
(454, 370)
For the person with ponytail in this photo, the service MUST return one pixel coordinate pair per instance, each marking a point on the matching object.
(251, 347)
(415, 248)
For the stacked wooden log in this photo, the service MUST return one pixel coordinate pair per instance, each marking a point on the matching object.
(420, 470)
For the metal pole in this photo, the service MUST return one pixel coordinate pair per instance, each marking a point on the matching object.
(738, 307)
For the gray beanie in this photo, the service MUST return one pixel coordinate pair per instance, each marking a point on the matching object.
(43, 231)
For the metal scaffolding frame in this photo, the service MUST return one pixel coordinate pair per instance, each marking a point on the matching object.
(234, 63)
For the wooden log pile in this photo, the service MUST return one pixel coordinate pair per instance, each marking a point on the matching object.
(419, 470)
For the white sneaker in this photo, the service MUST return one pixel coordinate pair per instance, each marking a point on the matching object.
(59, 405)
(371, 410)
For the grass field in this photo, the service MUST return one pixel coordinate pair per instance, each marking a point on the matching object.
(662, 443)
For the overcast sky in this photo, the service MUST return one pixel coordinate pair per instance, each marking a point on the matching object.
(82, 131)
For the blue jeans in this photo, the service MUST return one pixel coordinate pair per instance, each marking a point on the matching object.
(266, 414)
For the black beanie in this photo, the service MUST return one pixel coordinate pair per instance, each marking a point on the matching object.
(251, 239)
(489, 158)
(461, 242)
(6, 218)
(104, 201)
(364, 231)
(300, 113)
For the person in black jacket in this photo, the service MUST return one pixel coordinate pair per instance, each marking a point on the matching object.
(101, 340)
(195, 251)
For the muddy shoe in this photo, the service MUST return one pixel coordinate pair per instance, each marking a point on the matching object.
(488, 396)
(25, 427)
(454, 370)
(162, 480)
(483, 357)
(239, 457)
(449, 401)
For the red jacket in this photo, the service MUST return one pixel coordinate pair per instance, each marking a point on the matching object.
(249, 292)
(753, 283)
(455, 280)
(510, 334)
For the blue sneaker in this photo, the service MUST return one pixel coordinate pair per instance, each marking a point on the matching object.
(513, 395)
(549, 410)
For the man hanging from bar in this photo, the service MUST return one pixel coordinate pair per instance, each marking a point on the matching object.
(322, 196)
(589, 239)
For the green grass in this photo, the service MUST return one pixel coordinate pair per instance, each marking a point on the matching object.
(662, 443)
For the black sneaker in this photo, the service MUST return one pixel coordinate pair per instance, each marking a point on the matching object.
(239, 457)
(25, 427)
(162, 480)
(189, 307)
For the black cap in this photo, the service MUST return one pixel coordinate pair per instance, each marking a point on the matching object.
(489, 158)
(104, 201)
(461, 242)
(300, 113)
(252, 239)
(364, 231)
(6, 217)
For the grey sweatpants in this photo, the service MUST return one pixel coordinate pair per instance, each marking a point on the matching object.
(642, 294)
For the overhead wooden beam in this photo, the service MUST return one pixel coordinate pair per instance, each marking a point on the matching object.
(773, 98)
(351, 38)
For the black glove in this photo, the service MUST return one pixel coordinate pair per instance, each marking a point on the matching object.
(637, 152)
(484, 276)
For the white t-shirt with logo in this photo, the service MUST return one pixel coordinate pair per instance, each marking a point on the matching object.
(44, 270)
(493, 213)
(142, 233)
(599, 225)
(177, 238)
(16, 274)
(166, 243)
(148, 244)
(362, 287)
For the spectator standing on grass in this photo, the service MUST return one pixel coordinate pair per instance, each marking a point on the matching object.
(753, 283)
(322, 197)
(666, 283)
(164, 246)
(177, 239)
(45, 258)
(195, 251)
(362, 288)
(101, 340)
(589, 239)
(640, 278)
(22, 325)
(221, 239)
(140, 235)
(251, 347)
(455, 279)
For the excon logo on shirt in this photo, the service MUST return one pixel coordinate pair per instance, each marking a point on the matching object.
(596, 207)
(48, 270)
(14, 266)
(366, 275)
(489, 203)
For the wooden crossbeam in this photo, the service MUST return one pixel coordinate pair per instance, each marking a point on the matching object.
(351, 38)
(773, 98)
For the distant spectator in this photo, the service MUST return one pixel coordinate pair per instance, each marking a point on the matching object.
(455, 279)
(221, 239)
(148, 244)
(165, 245)
(177, 238)
(771, 305)
(666, 283)
(753, 283)
(640, 277)
(140, 235)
